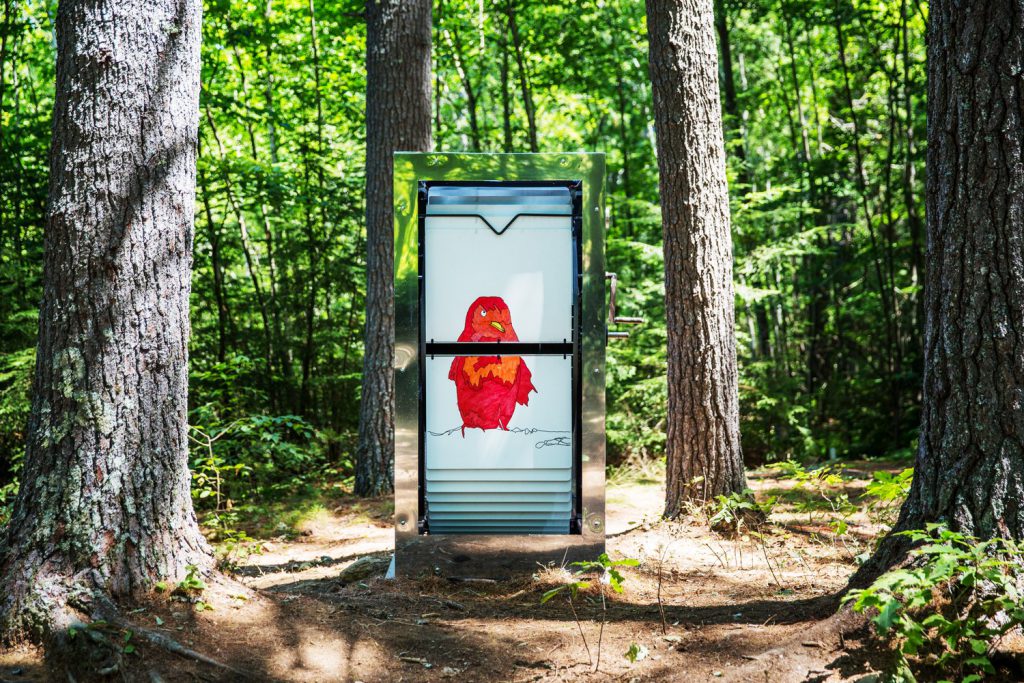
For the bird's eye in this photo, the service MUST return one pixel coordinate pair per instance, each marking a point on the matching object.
(483, 313)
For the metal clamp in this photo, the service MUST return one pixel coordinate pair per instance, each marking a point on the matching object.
(613, 316)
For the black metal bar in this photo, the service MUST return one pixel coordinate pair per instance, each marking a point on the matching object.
(576, 522)
(498, 348)
(422, 195)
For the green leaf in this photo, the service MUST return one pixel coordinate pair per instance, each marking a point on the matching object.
(885, 617)
(636, 652)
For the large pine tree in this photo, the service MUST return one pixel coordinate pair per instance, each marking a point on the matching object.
(969, 472)
(397, 119)
(703, 446)
(105, 502)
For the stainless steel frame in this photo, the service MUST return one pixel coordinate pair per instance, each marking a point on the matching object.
(499, 555)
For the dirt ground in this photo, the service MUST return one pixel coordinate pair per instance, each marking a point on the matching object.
(726, 605)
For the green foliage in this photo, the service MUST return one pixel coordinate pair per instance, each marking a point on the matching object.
(7, 494)
(886, 492)
(572, 587)
(191, 584)
(637, 389)
(814, 492)
(738, 510)
(607, 569)
(635, 653)
(234, 547)
(825, 167)
(255, 458)
(950, 607)
(815, 478)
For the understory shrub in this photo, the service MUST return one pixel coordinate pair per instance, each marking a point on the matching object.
(947, 611)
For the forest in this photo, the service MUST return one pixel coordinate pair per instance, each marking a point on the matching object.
(815, 439)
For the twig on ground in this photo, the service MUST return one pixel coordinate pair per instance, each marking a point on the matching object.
(661, 606)
(716, 556)
(600, 634)
(580, 627)
(764, 550)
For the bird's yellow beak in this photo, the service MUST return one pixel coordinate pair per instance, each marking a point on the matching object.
(498, 326)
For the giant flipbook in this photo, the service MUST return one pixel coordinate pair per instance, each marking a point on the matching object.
(499, 347)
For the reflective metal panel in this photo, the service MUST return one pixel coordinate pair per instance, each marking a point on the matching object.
(479, 555)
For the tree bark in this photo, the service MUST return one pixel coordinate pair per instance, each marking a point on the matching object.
(970, 458)
(703, 445)
(397, 118)
(524, 79)
(105, 502)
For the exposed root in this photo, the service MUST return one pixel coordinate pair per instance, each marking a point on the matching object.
(109, 613)
(81, 630)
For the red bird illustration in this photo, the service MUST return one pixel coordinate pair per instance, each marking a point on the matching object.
(487, 387)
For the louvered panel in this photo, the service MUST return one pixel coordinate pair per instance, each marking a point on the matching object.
(479, 459)
(518, 530)
(512, 488)
(515, 506)
(520, 475)
(510, 506)
(519, 517)
(498, 497)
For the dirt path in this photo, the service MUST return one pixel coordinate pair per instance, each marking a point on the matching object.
(726, 601)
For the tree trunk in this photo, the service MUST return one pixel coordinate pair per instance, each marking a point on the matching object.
(397, 118)
(910, 175)
(216, 265)
(472, 104)
(105, 501)
(971, 451)
(506, 102)
(251, 265)
(524, 79)
(313, 246)
(703, 446)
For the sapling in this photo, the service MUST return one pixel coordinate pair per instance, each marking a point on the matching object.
(609, 576)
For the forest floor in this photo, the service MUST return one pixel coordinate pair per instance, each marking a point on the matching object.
(729, 601)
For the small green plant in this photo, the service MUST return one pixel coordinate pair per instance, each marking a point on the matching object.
(813, 492)
(738, 510)
(608, 569)
(128, 648)
(235, 547)
(787, 469)
(826, 475)
(636, 652)
(191, 584)
(210, 470)
(609, 575)
(950, 608)
(885, 494)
